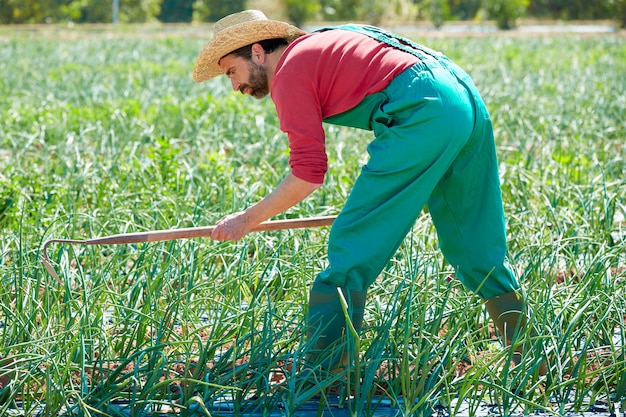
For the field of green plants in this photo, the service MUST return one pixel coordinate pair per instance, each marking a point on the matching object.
(102, 135)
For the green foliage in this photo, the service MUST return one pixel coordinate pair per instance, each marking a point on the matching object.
(176, 11)
(465, 9)
(139, 11)
(340, 9)
(213, 10)
(580, 9)
(436, 11)
(299, 11)
(82, 11)
(8, 197)
(373, 11)
(619, 11)
(505, 12)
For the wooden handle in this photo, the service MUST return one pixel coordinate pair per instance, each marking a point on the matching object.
(195, 232)
(190, 232)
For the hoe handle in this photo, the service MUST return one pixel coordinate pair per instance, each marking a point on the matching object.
(184, 233)
(205, 231)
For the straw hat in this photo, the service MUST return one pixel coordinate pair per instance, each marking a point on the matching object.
(235, 31)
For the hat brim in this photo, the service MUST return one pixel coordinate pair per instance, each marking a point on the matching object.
(235, 37)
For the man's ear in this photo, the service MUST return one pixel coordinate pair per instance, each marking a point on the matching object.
(258, 54)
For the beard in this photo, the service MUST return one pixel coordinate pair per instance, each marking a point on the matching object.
(257, 85)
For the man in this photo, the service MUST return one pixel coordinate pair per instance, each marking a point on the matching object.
(433, 145)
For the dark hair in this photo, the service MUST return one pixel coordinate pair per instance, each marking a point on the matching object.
(269, 46)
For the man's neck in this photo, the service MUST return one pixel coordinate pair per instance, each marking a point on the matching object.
(271, 62)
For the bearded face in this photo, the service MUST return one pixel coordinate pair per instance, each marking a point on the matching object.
(246, 76)
(257, 85)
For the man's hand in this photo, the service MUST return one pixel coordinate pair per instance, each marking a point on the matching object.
(291, 191)
(232, 227)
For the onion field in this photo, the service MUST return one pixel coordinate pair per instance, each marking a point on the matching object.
(104, 132)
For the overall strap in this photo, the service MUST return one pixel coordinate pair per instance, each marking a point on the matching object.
(389, 38)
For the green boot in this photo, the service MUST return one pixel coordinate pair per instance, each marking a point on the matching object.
(326, 325)
(508, 312)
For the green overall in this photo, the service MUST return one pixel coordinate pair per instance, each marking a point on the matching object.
(433, 146)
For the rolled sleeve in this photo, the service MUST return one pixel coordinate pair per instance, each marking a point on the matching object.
(308, 160)
(300, 114)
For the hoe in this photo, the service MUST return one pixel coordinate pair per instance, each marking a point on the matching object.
(184, 233)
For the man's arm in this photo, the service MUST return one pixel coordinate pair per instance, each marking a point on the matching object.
(290, 192)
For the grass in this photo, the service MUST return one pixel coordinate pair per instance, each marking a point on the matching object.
(108, 135)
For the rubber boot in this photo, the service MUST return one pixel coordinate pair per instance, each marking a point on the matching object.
(508, 312)
(327, 327)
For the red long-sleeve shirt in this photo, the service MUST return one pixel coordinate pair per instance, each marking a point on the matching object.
(323, 74)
